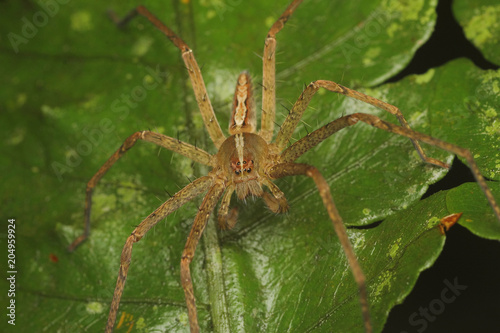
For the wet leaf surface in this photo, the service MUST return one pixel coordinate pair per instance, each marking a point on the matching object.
(77, 87)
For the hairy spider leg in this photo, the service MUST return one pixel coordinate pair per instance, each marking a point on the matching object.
(200, 222)
(190, 151)
(293, 169)
(180, 198)
(313, 138)
(200, 91)
(302, 102)
(269, 73)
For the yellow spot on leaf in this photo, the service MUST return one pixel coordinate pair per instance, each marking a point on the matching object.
(142, 46)
(140, 323)
(405, 10)
(384, 281)
(426, 77)
(372, 53)
(16, 136)
(433, 221)
(94, 307)
(211, 14)
(393, 251)
(81, 21)
(491, 113)
(21, 99)
(269, 21)
(484, 26)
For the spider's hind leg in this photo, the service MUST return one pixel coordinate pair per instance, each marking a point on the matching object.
(293, 169)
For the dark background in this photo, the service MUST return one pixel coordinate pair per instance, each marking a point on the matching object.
(471, 260)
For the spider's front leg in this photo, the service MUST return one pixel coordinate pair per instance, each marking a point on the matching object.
(462, 152)
(200, 91)
(269, 73)
(286, 167)
(302, 102)
(312, 139)
(190, 151)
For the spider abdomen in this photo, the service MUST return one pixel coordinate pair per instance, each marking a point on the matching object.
(243, 117)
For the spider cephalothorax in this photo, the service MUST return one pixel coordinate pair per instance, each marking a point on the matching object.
(242, 157)
(242, 168)
(248, 161)
(245, 156)
(244, 160)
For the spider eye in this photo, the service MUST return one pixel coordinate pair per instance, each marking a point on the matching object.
(249, 170)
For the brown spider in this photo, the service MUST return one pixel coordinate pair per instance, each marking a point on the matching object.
(247, 161)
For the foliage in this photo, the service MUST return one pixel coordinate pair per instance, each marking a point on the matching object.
(77, 87)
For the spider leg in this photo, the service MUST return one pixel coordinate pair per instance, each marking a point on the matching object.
(180, 198)
(200, 91)
(301, 104)
(312, 139)
(200, 221)
(275, 205)
(409, 133)
(292, 169)
(269, 73)
(227, 219)
(192, 152)
(277, 201)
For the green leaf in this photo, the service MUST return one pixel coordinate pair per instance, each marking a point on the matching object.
(481, 23)
(468, 200)
(75, 88)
